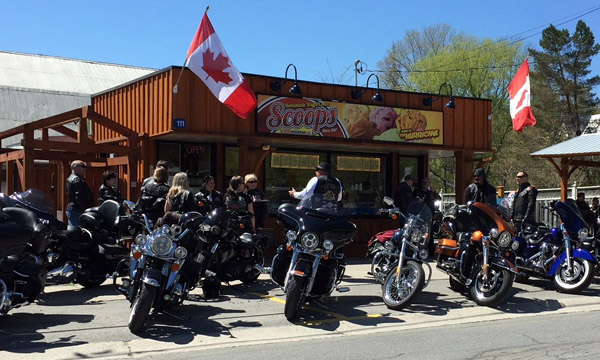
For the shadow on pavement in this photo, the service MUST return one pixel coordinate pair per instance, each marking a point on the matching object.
(76, 295)
(328, 313)
(16, 335)
(429, 303)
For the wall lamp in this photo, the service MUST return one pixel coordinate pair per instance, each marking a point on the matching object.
(357, 93)
(427, 101)
(276, 84)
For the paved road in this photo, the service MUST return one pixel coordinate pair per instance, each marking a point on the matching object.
(70, 322)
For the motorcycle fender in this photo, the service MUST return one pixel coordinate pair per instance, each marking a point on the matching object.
(302, 269)
(577, 253)
(504, 264)
(151, 276)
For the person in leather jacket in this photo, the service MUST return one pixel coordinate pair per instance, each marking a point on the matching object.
(403, 196)
(107, 190)
(207, 197)
(237, 199)
(480, 190)
(321, 191)
(523, 206)
(154, 194)
(78, 192)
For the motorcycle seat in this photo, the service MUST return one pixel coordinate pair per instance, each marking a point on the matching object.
(106, 214)
(74, 239)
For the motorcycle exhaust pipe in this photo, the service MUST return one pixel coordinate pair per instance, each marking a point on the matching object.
(262, 269)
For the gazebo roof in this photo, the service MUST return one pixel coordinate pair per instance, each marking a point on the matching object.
(586, 144)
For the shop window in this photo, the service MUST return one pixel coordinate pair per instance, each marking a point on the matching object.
(232, 164)
(363, 178)
(284, 170)
(196, 162)
(408, 166)
(171, 152)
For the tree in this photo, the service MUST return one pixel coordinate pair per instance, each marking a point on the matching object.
(402, 58)
(562, 68)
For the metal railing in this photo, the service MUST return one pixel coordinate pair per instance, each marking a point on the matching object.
(544, 197)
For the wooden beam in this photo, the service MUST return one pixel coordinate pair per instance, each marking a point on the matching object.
(12, 156)
(108, 123)
(117, 161)
(79, 148)
(564, 178)
(21, 171)
(585, 163)
(65, 131)
(113, 140)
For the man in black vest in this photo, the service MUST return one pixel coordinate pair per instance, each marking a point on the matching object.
(523, 206)
(322, 191)
(78, 192)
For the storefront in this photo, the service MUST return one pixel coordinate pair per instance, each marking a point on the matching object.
(370, 144)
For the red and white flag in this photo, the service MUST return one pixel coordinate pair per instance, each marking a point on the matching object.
(520, 104)
(209, 61)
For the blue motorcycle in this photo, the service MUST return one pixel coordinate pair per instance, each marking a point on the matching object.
(557, 253)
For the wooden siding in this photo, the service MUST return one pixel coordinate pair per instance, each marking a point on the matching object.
(149, 106)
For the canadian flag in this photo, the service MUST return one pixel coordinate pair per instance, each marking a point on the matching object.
(520, 104)
(209, 61)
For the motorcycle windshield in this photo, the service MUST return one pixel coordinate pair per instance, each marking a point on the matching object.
(480, 220)
(421, 210)
(36, 199)
(570, 215)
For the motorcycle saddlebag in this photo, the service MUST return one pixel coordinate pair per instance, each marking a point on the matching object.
(447, 247)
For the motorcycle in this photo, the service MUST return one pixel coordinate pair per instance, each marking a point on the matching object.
(481, 263)
(230, 252)
(22, 272)
(92, 251)
(312, 262)
(558, 253)
(162, 269)
(399, 267)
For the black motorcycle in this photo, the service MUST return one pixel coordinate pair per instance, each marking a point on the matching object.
(312, 262)
(22, 273)
(162, 268)
(230, 251)
(92, 251)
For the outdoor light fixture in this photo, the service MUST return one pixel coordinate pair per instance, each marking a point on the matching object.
(427, 101)
(276, 84)
(356, 93)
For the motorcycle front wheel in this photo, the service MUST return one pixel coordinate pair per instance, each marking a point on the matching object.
(412, 278)
(575, 281)
(495, 289)
(294, 297)
(141, 308)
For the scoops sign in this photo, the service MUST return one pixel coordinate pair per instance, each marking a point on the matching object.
(312, 117)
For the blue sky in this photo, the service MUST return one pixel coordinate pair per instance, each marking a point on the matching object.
(322, 38)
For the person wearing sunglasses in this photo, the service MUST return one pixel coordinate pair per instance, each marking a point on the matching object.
(480, 190)
(259, 200)
(523, 205)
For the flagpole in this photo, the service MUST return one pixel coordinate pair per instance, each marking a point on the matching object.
(175, 88)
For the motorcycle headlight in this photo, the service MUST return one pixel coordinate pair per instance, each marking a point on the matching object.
(504, 239)
(140, 240)
(291, 236)
(416, 236)
(309, 240)
(582, 234)
(494, 233)
(514, 245)
(328, 245)
(215, 230)
(181, 252)
(161, 245)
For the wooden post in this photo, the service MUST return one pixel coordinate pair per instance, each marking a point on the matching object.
(463, 173)
(564, 178)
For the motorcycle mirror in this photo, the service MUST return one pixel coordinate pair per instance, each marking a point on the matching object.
(388, 200)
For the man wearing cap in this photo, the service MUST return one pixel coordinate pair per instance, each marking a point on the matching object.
(79, 193)
(322, 191)
(480, 190)
(403, 196)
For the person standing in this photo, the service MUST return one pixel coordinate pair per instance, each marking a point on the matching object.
(159, 164)
(78, 192)
(107, 190)
(259, 200)
(207, 198)
(582, 205)
(154, 193)
(321, 191)
(237, 199)
(523, 206)
(404, 195)
(179, 198)
(595, 207)
(480, 190)
(426, 193)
